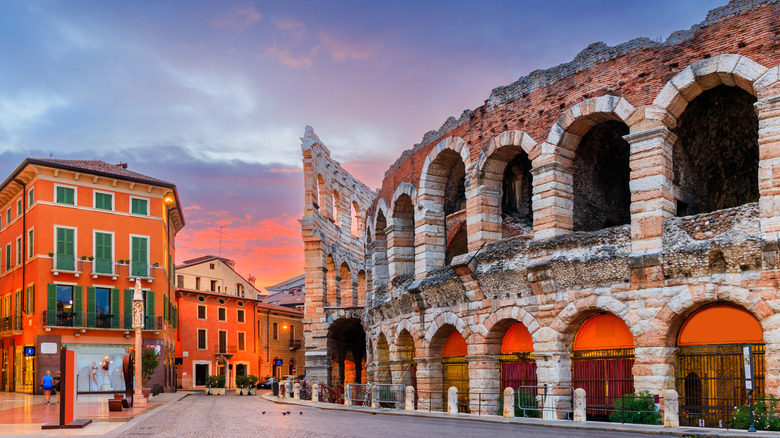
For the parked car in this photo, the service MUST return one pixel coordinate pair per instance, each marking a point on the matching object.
(266, 384)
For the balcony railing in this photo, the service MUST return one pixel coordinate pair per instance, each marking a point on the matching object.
(103, 267)
(295, 344)
(225, 349)
(17, 324)
(95, 320)
(65, 263)
(138, 269)
(6, 324)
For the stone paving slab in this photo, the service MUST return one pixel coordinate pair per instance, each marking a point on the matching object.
(559, 424)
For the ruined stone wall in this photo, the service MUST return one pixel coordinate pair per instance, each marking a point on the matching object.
(652, 272)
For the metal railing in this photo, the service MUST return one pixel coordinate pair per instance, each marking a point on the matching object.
(295, 344)
(331, 394)
(6, 324)
(358, 394)
(305, 390)
(387, 395)
(138, 269)
(430, 401)
(225, 349)
(642, 408)
(64, 263)
(103, 266)
(95, 320)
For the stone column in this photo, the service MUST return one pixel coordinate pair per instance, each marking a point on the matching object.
(769, 165)
(483, 214)
(653, 365)
(579, 405)
(429, 384)
(553, 197)
(554, 368)
(652, 197)
(429, 240)
(400, 372)
(484, 383)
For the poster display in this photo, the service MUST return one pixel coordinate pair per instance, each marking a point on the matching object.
(99, 367)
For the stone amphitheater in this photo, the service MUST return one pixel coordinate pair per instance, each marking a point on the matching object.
(608, 224)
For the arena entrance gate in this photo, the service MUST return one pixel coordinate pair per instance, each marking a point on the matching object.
(518, 368)
(455, 370)
(602, 360)
(709, 371)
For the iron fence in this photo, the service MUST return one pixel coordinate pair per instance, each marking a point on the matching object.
(642, 408)
(96, 320)
(305, 390)
(605, 375)
(358, 394)
(331, 394)
(550, 402)
(711, 383)
(391, 396)
(430, 401)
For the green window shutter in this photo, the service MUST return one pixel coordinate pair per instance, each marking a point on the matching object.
(139, 257)
(175, 317)
(31, 295)
(103, 201)
(91, 307)
(104, 253)
(65, 195)
(78, 305)
(115, 308)
(66, 249)
(138, 206)
(150, 303)
(128, 309)
(51, 305)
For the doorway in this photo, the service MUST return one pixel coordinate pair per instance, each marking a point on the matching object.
(201, 371)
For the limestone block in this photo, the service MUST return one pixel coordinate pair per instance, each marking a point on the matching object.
(706, 72)
(452, 400)
(726, 65)
(409, 401)
(509, 402)
(685, 82)
(670, 100)
(746, 72)
(770, 77)
(671, 409)
(579, 405)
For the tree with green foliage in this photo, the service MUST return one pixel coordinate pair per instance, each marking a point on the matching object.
(150, 363)
(765, 415)
(637, 408)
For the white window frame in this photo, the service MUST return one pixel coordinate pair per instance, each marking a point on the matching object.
(31, 194)
(148, 252)
(197, 339)
(19, 250)
(148, 204)
(75, 194)
(30, 242)
(238, 344)
(75, 242)
(20, 205)
(103, 192)
(8, 259)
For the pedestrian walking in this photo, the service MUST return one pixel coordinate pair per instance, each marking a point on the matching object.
(47, 384)
(56, 383)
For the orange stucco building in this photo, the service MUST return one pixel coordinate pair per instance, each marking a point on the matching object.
(74, 237)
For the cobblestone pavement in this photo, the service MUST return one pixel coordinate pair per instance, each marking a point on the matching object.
(226, 416)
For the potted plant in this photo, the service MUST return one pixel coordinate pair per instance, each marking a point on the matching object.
(217, 384)
(241, 383)
(51, 254)
(211, 381)
(83, 258)
(251, 382)
(91, 258)
(149, 364)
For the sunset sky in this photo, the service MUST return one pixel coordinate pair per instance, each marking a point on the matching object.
(214, 96)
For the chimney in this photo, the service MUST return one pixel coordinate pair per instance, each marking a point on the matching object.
(122, 165)
(251, 279)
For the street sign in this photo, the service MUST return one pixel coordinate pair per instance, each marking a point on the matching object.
(747, 360)
(29, 350)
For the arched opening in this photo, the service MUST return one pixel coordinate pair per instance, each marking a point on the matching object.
(378, 247)
(518, 368)
(323, 199)
(402, 247)
(347, 348)
(455, 370)
(602, 360)
(709, 365)
(337, 208)
(354, 219)
(331, 284)
(361, 288)
(716, 153)
(405, 355)
(382, 361)
(602, 197)
(347, 295)
(315, 193)
(516, 192)
(457, 242)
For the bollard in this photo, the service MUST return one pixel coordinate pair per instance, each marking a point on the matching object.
(297, 391)
(671, 409)
(348, 394)
(452, 400)
(289, 389)
(315, 393)
(409, 402)
(374, 395)
(509, 402)
(579, 405)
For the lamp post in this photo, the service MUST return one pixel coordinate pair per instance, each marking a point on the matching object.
(138, 325)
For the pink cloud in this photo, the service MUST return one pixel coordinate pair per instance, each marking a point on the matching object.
(238, 18)
(287, 58)
(192, 207)
(341, 50)
(294, 29)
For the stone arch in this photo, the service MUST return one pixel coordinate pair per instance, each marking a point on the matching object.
(569, 320)
(401, 234)
(338, 209)
(500, 320)
(377, 247)
(332, 285)
(324, 199)
(504, 184)
(409, 327)
(443, 188)
(446, 319)
(361, 288)
(381, 207)
(575, 122)
(382, 359)
(346, 342)
(727, 69)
